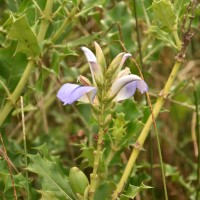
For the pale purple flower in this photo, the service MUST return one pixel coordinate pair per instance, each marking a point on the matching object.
(125, 87)
(69, 93)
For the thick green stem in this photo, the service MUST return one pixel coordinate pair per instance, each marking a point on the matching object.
(20, 86)
(16, 93)
(145, 131)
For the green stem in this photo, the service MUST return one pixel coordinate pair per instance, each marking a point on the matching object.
(161, 164)
(145, 131)
(25, 147)
(97, 157)
(110, 156)
(24, 79)
(60, 31)
(102, 127)
(145, 14)
(176, 37)
(198, 142)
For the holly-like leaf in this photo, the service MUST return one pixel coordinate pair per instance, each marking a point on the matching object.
(164, 12)
(162, 35)
(27, 41)
(134, 190)
(53, 180)
(88, 154)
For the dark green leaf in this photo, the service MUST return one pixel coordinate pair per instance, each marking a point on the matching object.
(52, 178)
(27, 41)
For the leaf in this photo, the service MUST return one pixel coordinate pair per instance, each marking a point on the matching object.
(84, 40)
(171, 171)
(162, 35)
(23, 6)
(52, 178)
(105, 189)
(27, 108)
(89, 5)
(134, 190)
(164, 13)
(58, 55)
(88, 153)
(27, 41)
(46, 195)
(55, 63)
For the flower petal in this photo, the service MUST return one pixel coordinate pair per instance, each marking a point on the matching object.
(84, 93)
(127, 91)
(94, 66)
(89, 54)
(125, 56)
(69, 93)
(142, 86)
(121, 82)
(65, 92)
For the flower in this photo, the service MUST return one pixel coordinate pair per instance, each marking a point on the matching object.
(125, 87)
(123, 84)
(69, 93)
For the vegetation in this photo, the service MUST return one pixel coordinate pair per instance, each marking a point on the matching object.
(113, 146)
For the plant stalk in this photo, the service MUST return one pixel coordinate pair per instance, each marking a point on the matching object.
(27, 72)
(97, 158)
(145, 131)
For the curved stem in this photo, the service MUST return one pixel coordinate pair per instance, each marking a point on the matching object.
(24, 79)
(145, 131)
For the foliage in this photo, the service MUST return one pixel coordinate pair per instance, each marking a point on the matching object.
(40, 50)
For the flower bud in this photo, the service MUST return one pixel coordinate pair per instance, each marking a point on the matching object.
(117, 64)
(84, 81)
(108, 119)
(123, 72)
(78, 180)
(100, 57)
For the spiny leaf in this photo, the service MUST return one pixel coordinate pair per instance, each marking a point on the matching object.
(164, 13)
(162, 35)
(52, 178)
(27, 41)
(134, 190)
(88, 153)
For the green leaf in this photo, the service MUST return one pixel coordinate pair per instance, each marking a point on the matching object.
(88, 153)
(89, 5)
(46, 195)
(52, 178)
(84, 40)
(134, 190)
(171, 170)
(27, 41)
(162, 35)
(164, 13)
(23, 6)
(27, 108)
